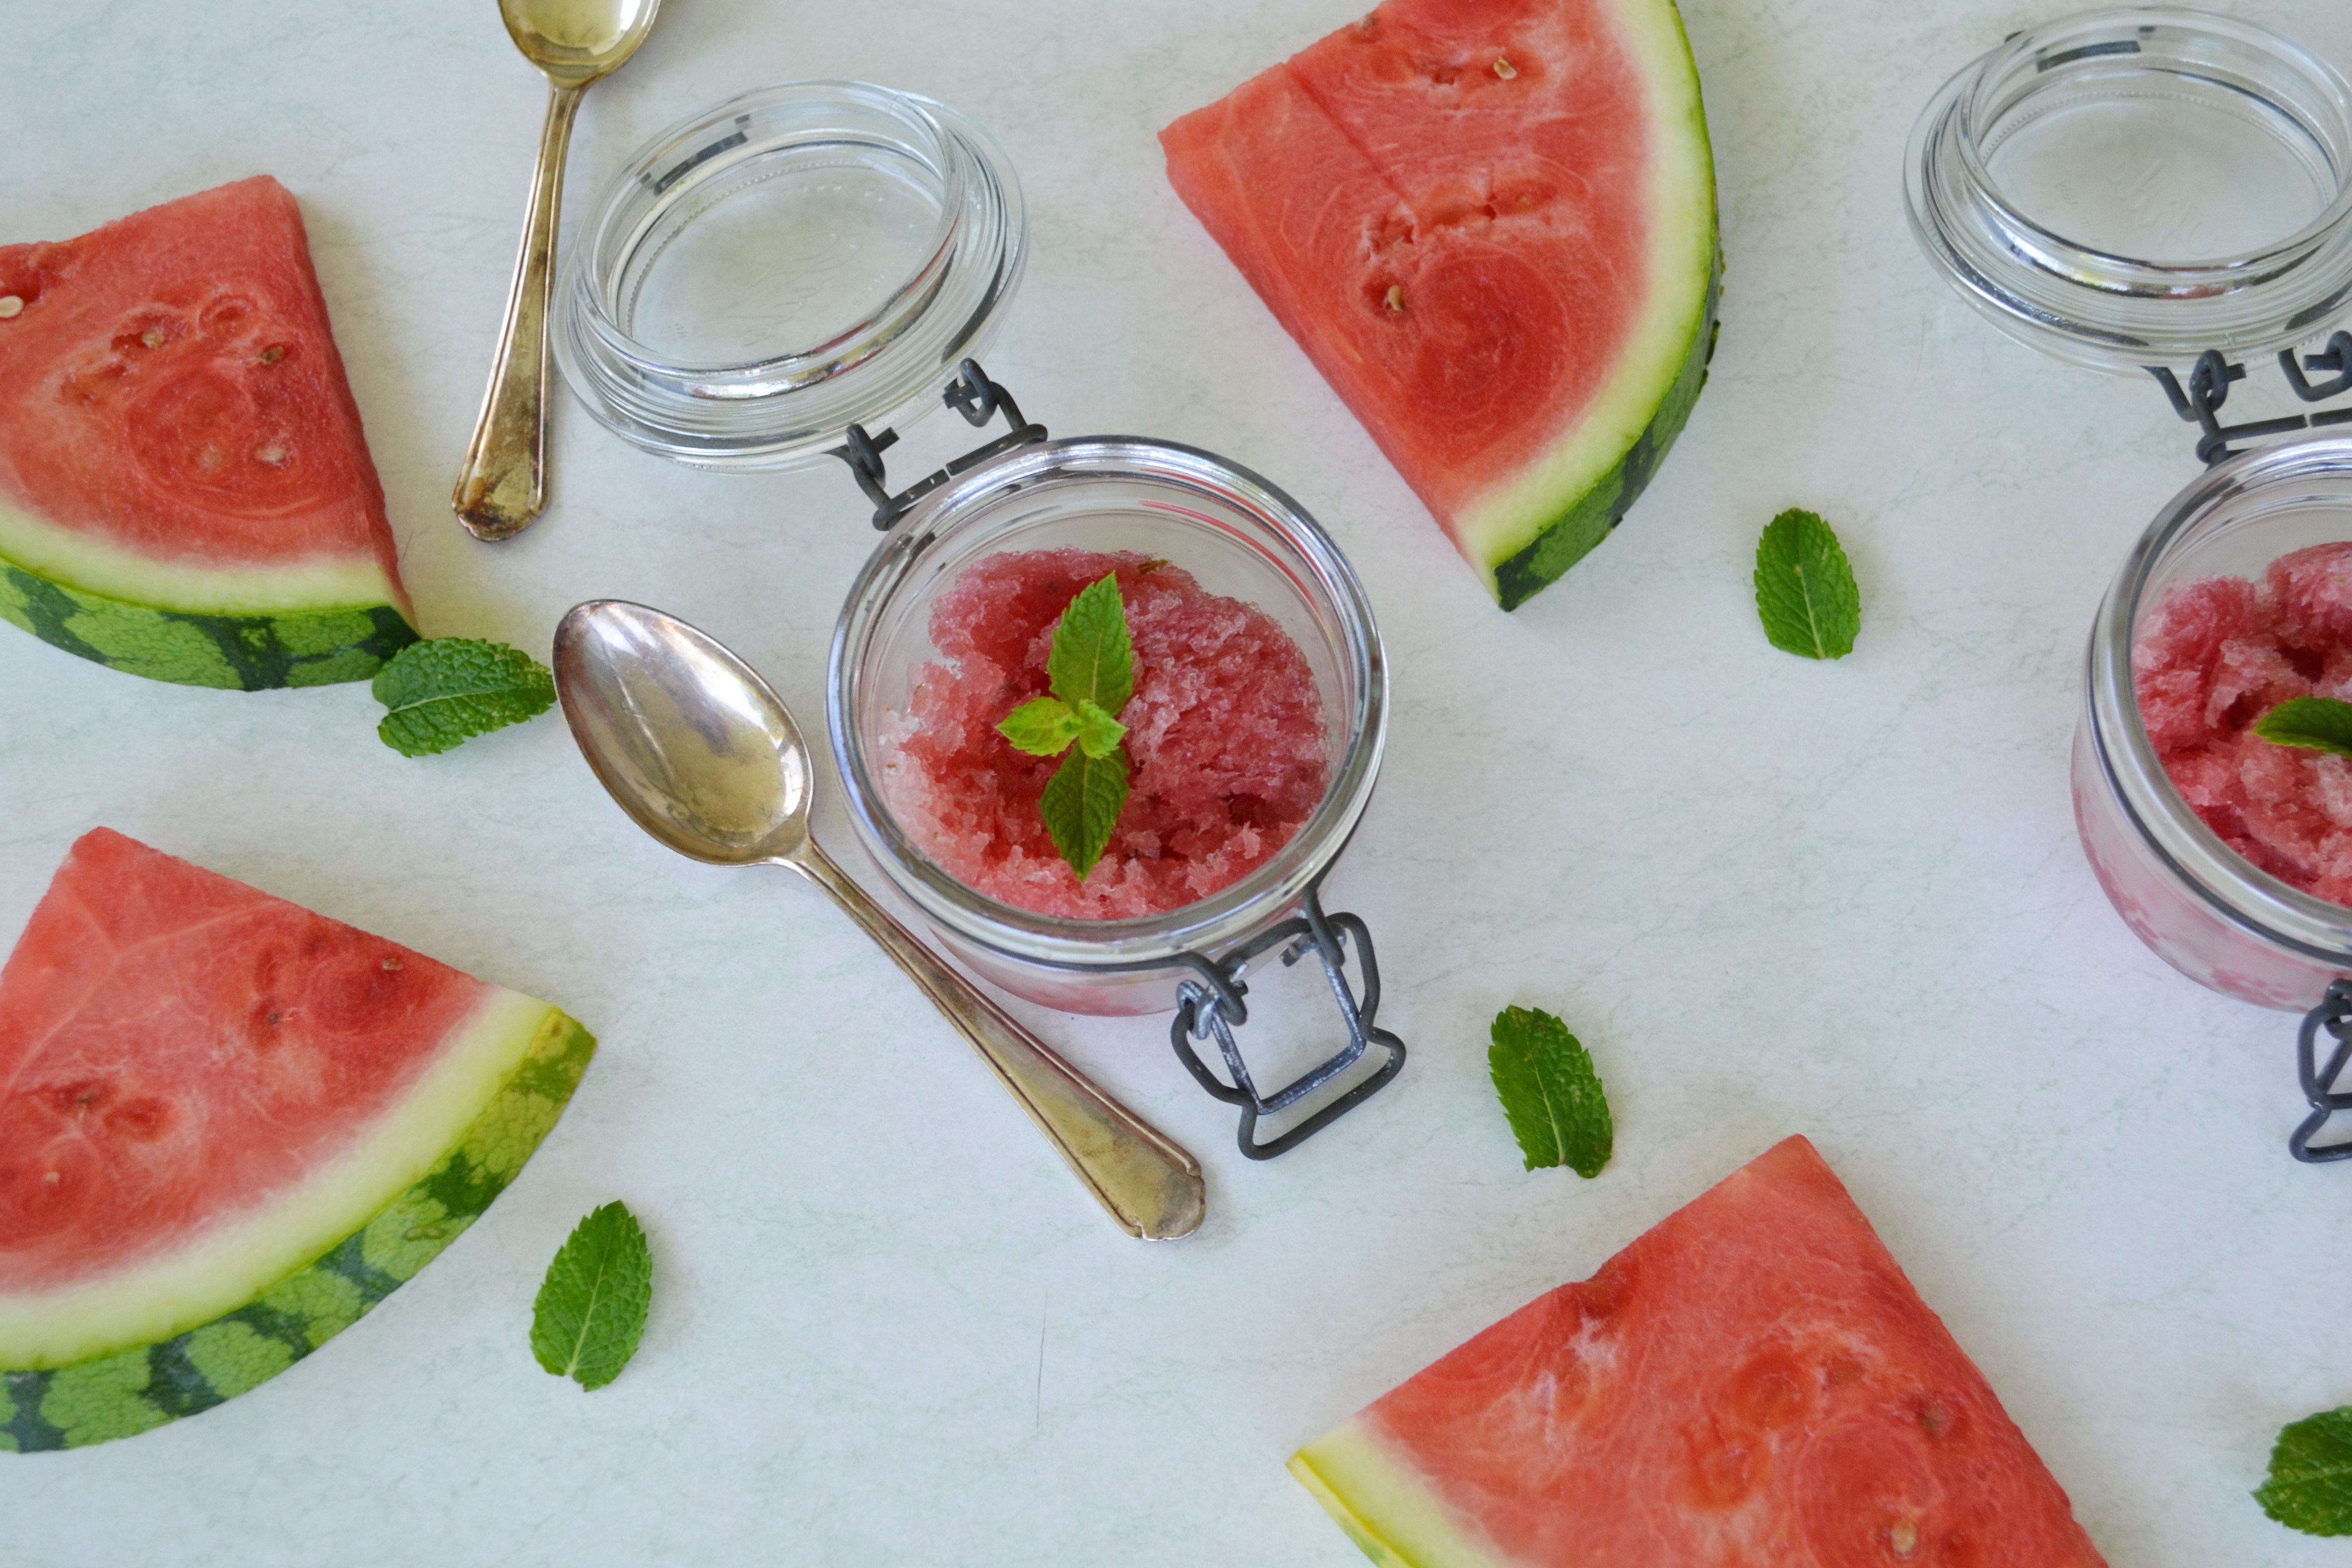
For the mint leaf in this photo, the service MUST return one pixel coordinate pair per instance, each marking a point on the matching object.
(1804, 587)
(1081, 805)
(2315, 723)
(444, 692)
(591, 1311)
(1098, 733)
(2309, 1486)
(1092, 659)
(1043, 727)
(1545, 1079)
(1092, 667)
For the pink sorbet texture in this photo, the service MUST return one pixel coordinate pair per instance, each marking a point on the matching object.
(2209, 659)
(1225, 739)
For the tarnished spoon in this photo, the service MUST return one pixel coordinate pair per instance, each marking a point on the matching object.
(574, 43)
(700, 750)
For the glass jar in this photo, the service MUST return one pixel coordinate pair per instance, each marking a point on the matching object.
(2206, 909)
(2134, 186)
(801, 258)
(1242, 537)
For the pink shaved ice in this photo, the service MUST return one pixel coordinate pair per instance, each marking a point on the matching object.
(2209, 659)
(1225, 739)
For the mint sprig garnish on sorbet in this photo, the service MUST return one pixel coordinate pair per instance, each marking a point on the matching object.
(1091, 669)
(1545, 1078)
(2309, 1486)
(1805, 593)
(591, 1311)
(2315, 724)
(444, 692)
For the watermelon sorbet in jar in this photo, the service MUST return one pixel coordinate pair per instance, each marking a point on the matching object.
(1225, 742)
(2214, 655)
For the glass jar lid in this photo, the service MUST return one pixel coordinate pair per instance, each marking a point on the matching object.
(801, 258)
(2133, 187)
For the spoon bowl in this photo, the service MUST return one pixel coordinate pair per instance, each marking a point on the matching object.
(573, 42)
(703, 754)
(688, 739)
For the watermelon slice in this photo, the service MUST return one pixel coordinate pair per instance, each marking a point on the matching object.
(229, 1127)
(1491, 224)
(185, 492)
(1752, 1381)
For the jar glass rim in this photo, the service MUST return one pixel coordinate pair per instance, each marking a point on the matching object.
(2090, 303)
(2234, 885)
(1207, 924)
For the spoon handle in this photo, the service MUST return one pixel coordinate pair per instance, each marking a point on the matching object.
(1152, 1187)
(503, 485)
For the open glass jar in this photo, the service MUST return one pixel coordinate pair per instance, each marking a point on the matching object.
(1242, 537)
(2142, 188)
(767, 285)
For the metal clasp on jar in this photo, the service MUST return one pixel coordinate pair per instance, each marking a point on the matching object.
(1214, 1005)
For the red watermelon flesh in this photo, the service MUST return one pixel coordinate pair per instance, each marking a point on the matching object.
(228, 1127)
(184, 488)
(1752, 1381)
(178, 1045)
(1491, 227)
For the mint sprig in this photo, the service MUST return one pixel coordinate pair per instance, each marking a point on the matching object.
(1091, 669)
(1805, 593)
(2315, 724)
(2309, 1486)
(1545, 1078)
(446, 691)
(591, 1311)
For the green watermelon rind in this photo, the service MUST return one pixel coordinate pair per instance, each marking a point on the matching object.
(133, 1391)
(1592, 516)
(1552, 512)
(1386, 1506)
(309, 647)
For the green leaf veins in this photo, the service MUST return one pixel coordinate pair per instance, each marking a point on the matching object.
(1545, 1078)
(2315, 724)
(1092, 659)
(1091, 669)
(591, 1311)
(2309, 1486)
(446, 691)
(1805, 592)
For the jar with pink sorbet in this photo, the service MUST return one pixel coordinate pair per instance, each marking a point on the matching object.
(2230, 855)
(1254, 737)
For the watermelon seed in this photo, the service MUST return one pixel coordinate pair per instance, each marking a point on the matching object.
(1396, 296)
(155, 337)
(272, 453)
(9, 305)
(273, 353)
(1504, 69)
(391, 964)
(1903, 1537)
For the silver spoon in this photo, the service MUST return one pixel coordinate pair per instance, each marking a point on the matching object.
(696, 747)
(574, 43)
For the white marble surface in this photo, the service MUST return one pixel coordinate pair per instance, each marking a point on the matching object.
(1771, 896)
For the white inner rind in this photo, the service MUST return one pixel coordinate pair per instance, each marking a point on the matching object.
(1681, 246)
(230, 1262)
(1386, 1506)
(95, 565)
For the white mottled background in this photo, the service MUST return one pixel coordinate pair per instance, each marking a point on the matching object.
(1771, 896)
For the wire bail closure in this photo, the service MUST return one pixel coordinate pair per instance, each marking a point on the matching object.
(971, 395)
(2334, 1013)
(1214, 1004)
(2208, 389)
